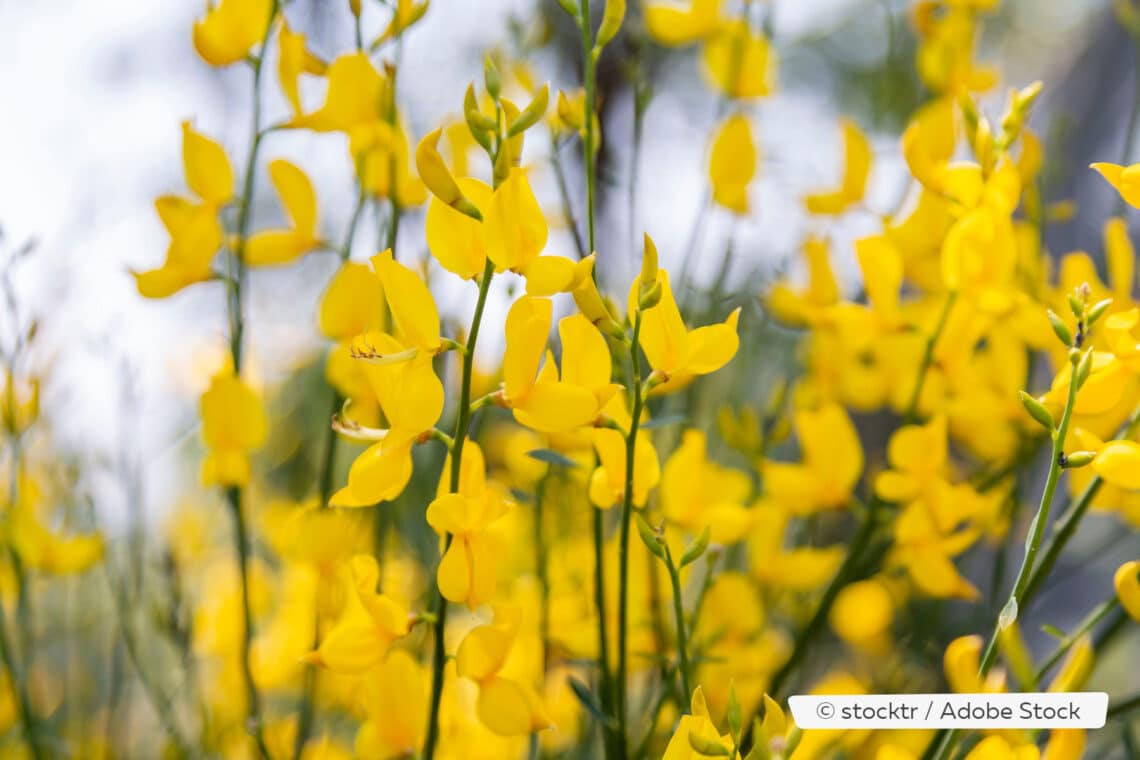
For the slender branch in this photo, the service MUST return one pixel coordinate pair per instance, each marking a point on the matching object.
(679, 615)
(439, 655)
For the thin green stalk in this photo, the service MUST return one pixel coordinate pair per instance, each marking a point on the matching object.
(1037, 528)
(463, 419)
(605, 685)
(944, 741)
(1124, 706)
(623, 546)
(1066, 525)
(540, 566)
(679, 615)
(1099, 613)
(564, 196)
(589, 75)
(535, 750)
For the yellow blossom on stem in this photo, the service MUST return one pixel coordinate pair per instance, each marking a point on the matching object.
(831, 463)
(233, 424)
(732, 164)
(1127, 583)
(360, 640)
(283, 246)
(230, 29)
(856, 166)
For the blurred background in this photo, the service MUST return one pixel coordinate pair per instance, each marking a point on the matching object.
(95, 93)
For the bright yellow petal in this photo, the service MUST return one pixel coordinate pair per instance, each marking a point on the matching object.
(352, 303)
(1127, 583)
(457, 241)
(412, 305)
(514, 226)
(206, 166)
(1119, 464)
(548, 275)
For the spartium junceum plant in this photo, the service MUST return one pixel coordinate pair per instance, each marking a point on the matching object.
(535, 502)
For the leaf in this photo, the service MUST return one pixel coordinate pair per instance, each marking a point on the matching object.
(708, 747)
(550, 456)
(588, 700)
(734, 713)
(649, 537)
(1053, 631)
(696, 549)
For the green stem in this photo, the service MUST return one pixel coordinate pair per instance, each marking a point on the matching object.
(623, 546)
(1091, 621)
(605, 685)
(589, 75)
(564, 196)
(679, 614)
(1037, 528)
(535, 750)
(24, 704)
(540, 567)
(463, 419)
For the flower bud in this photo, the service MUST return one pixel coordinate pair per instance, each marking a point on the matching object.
(696, 549)
(1037, 410)
(1098, 310)
(650, 537)
(1078, 459)
(491, 78)
(1059, 328)
(1083, 369)
(703, 745)
(438, 179)
(647, 281)
(530, 115)
(611, 23)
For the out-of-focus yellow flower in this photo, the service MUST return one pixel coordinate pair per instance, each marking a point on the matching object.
(682, 23)
(282, 246)
(1076, 668)
(740, 62)
(607, 483)
(928, 143)
(862, 615)
(230, 29)
(856, 167)
(195, 233)
(1127, 583)
(380, 153)
(696, 492)
(807, 306)
(294, 59)
(395, 717)
(961, 664)
(1065, 744)
(925, 550)
(19, 403)
(372, 621)
(917, 455)
(946, 49)
(803, 568)
(676, 353)
(696, 724)
(40, 548)
(407, 12)
(1126, 180)
(732, 164)
(541, 400)
(356, 96)
(999, 748)
(233, 424)
(831, 463)
(506, 706)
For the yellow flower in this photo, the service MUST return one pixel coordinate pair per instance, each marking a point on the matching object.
(195, 233)
(928, 143)
(506, 706)
(961, 664)
(352, 303)
(697, 724)
(360, 640)
(356, 96)
(39, 547)
(1127, 583)
(946, 49)
(917, 455)
(831, 463)
(999, 748)
(407, 12)
(732, 164)
(856, 167)
(1126, 180)
(740, 62)
(230, 29)
(862, 615)
(676, 353)
(378, 149)
(467, 572)
(233, 424)
(804, 568)
(607, 483)
(282, 246)
(809, 305)
(294, 59)
(394, 724)
(674, 24)
(925, 550)
(541, 400)
(696, 492)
